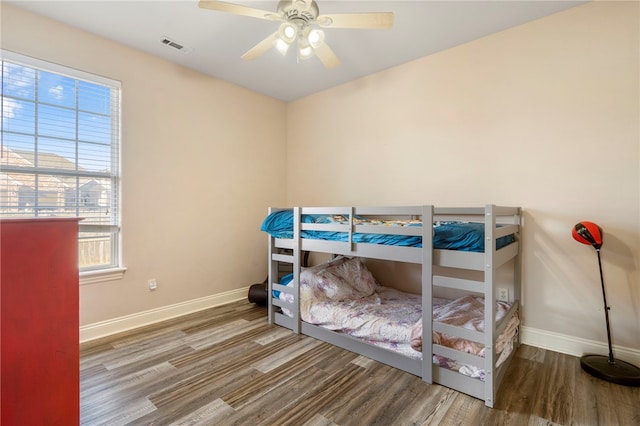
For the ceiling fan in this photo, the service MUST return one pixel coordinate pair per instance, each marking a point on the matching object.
(298, 21)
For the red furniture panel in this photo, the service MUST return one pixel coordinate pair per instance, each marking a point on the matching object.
(39, 340)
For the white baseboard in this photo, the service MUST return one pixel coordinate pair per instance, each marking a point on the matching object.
(575, 346)
(105, 328)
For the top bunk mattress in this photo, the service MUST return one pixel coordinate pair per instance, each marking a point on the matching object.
(448, 235)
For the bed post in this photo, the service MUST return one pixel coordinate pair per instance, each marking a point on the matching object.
(271, 273)
(427, 293)
(297, 219)
(489, 304)
(517, 269)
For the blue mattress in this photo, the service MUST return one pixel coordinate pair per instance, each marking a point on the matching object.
(461, 236)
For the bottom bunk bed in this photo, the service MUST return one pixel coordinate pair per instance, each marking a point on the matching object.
(340, 302)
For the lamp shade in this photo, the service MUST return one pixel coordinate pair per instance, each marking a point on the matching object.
(588, 233)
(305, 50)
(315, 38)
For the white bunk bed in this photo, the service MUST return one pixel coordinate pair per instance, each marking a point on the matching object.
(440, 270)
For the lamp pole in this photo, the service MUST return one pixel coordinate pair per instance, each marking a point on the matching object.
(606, 310)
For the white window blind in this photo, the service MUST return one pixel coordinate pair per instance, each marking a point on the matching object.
(60, 152)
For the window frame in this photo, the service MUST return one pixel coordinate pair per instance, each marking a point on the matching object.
(98, 273)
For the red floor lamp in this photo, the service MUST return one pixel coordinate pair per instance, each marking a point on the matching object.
(601, 366)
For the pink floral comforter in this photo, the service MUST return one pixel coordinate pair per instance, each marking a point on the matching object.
(342, 295)
(388, 315)
(468, 312)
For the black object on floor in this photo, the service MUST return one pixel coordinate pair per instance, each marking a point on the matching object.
(618, 371)
(258, 294)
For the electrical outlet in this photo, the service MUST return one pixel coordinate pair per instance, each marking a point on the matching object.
(503, 294)
(153, 284)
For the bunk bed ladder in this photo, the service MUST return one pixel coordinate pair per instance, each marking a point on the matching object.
(271, 273)
(276, 257)
(297, 220)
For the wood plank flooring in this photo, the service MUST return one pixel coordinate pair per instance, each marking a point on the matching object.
(228, 366)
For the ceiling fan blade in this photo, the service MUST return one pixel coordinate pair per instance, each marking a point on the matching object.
(237, 9)
(326, 56)
(373, 20)
(260, 48)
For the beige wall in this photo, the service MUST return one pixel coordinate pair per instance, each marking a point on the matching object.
(197, 179)
(544, 116)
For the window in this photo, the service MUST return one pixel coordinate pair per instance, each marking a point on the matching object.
(60, 152)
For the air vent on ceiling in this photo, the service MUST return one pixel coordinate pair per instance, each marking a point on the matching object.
(174, 44)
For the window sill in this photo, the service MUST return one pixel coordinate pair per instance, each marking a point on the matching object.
(94, 277)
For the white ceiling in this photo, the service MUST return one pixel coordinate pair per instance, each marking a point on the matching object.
(217, 40)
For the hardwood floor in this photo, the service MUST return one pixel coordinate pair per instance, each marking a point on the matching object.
(228, 366)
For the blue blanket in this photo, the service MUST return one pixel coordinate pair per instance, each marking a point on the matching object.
(462, 236)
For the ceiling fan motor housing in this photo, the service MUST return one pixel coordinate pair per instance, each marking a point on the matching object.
(300, 13)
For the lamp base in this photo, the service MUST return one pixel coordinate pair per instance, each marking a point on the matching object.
(619, 372)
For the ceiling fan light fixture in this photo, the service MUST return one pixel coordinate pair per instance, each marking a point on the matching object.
(305, 51)
(288, 32)
(297, 17)
(315, 37)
